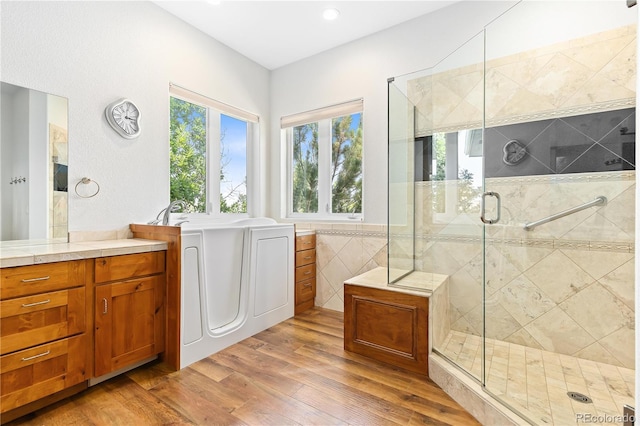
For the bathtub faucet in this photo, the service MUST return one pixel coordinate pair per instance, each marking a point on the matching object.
(170, 209)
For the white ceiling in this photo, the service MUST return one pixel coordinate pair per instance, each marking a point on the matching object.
(277, 33)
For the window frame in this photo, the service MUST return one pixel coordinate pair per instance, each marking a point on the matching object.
(214, 111)
(324, 117)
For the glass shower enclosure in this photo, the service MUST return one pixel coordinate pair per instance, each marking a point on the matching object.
(512, 173)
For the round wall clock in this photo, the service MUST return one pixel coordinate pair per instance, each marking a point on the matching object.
(124, 117)
(514, 152)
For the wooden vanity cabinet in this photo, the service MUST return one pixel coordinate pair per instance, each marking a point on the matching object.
(44, 344)
(129, 312)
(47, 312)
(305, 274)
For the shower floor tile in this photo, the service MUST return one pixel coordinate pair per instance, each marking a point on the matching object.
(535, 382)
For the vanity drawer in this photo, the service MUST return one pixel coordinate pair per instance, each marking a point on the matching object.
(305, 257)
(34, 373)
(305, 242)
(305, 272)
(33, 320)
(305, 290)
(34, 279)
(129, 265)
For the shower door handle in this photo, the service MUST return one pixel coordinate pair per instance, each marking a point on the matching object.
(482, 208)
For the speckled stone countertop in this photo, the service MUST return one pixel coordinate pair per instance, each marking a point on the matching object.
(416, 283)
(20, 255)
(301, 232)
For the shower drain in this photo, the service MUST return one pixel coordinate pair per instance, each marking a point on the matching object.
(579, 397)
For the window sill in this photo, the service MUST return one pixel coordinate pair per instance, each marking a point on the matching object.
(321, 219)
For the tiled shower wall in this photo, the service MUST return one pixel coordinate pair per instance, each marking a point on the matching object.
(344, 251)
(590, 74)
(566, 286)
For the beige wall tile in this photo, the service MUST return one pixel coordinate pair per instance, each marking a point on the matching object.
(381, 257)
(336, 273)
(324, 252)
(324, 290)
(621, 283)
(541, 82)
(558, 277)
(372, 245)
(499, 323)
(598, 311)
(335, 303)
(522, 337)
(499, 271)
(523, 257)
(352, 255)
(465, 291)
(598, 263)
(622, 68)
(524, 300)
(556, 331)
(618, 211)
(618, 344)
(524, 71)
(596, 352)
(77, 236)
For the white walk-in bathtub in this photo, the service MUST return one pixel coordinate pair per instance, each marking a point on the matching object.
(237, 280)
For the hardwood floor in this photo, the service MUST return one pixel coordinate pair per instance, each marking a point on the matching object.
(294, 373)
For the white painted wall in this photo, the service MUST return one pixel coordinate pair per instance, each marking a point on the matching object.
(38, 156)
(360, 69)
(15, 164)
(6, 151)
(96, 52)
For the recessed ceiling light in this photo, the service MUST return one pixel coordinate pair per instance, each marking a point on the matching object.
(330, 14)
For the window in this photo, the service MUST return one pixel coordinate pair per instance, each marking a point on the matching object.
(453, 163)
(210, 153)
(324, 162)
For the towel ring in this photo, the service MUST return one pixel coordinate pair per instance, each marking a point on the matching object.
(87, 181)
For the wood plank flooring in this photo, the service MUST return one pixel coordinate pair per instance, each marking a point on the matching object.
(295, 373)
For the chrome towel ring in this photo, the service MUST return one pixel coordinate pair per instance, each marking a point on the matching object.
(87, 181)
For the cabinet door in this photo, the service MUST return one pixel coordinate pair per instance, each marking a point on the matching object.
(129, 322)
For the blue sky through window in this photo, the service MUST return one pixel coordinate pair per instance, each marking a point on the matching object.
(233, 156)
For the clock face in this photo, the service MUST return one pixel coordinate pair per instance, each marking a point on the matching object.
(514, 152)
(124, 117)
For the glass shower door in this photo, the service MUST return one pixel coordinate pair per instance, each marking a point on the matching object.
(559, 149)
(435, 183)
(401, 201)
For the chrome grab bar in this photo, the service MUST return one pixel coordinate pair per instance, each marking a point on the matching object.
(601, 200)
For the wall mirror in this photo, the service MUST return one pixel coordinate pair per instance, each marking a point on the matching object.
(33, 166)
